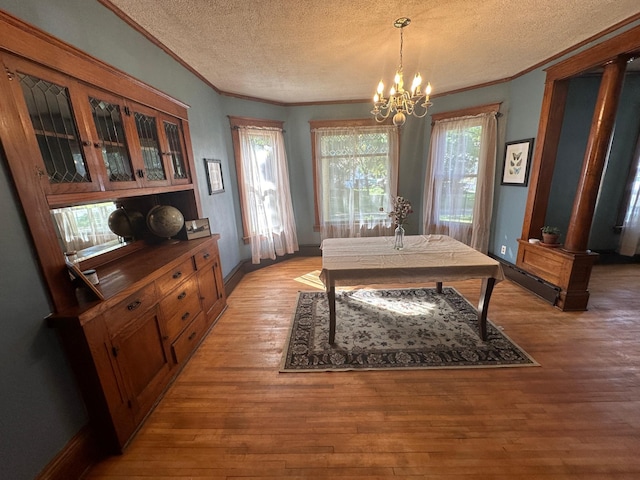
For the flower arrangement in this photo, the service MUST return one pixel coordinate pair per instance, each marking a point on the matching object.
(401, 210)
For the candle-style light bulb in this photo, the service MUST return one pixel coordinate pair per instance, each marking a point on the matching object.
(415, 86)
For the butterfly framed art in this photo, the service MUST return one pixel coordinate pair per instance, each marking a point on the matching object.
(517, 157)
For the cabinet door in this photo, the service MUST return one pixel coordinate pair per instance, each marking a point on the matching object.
(143, 361)
(51, 111)
(175, 150)
(110, 139)
(119, 419)
(149, 147)
(211, 291)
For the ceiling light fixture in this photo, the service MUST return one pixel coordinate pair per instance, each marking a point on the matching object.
(400, 101)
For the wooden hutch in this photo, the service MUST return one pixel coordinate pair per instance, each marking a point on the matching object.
(77, 131)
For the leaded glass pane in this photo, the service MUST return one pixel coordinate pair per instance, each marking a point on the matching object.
(56, 132)
(175, 150)
(108, 121)
(148, 135)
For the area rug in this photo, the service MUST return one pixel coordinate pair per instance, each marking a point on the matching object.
(394, 329)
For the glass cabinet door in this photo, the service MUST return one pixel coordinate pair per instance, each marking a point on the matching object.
(175, 152)
(112, 145)
(154, 168)
(48, 110)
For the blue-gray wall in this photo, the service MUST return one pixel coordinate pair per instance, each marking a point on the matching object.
(40, 406)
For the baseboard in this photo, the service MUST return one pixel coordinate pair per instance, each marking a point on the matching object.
(73, 461)
(533, 283)
(611, 257)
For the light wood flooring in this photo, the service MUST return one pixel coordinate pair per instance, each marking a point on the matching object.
(231, 415)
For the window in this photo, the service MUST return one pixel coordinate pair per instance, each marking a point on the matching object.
(460, 175)
(267, 211)
(356, 171)
(630, 238)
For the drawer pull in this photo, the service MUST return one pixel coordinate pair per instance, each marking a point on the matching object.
(193, 334)
(185, 316)
(206, 255)
(177, 275)
(134, 305)
(182, 295)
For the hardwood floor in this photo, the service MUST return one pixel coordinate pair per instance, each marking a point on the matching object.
(231, 415)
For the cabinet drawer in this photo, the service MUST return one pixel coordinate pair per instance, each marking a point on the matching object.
(177, 275)
(206, 255)
(188, 340)
(180, 307)
(118, 316)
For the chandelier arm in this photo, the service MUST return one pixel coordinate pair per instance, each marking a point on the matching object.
(380, 115)
(425, 105)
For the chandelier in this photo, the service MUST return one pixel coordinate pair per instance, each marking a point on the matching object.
(400, 101)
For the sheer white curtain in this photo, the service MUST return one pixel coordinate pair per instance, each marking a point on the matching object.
(458, 199)
(267, 197)
(356, 177)
(630, 239)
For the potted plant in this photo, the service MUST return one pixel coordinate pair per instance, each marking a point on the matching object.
(550, 235)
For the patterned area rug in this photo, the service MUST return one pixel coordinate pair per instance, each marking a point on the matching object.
(394, 329)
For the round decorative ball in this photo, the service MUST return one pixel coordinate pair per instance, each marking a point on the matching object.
(165, 221)
(125, 223)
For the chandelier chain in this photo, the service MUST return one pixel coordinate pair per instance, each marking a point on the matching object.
(401, 42)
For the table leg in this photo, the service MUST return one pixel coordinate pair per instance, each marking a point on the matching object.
(439, 287)
(331, 294)
(483, 305)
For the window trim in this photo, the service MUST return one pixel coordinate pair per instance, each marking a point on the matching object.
(236, 123)
(358, 122)
(466, 112)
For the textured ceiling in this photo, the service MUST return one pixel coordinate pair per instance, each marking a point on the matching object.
(296, 51)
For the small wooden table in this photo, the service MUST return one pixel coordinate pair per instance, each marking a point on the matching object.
(425, 258)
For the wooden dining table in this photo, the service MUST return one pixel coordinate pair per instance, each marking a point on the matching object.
(424, 258)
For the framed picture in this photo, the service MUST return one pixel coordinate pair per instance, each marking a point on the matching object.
(197, 228)
(214, 175)
(517, 156)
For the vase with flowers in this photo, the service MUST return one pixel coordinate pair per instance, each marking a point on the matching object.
(401, 210)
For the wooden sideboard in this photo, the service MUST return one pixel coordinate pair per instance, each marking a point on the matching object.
(125, 350)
